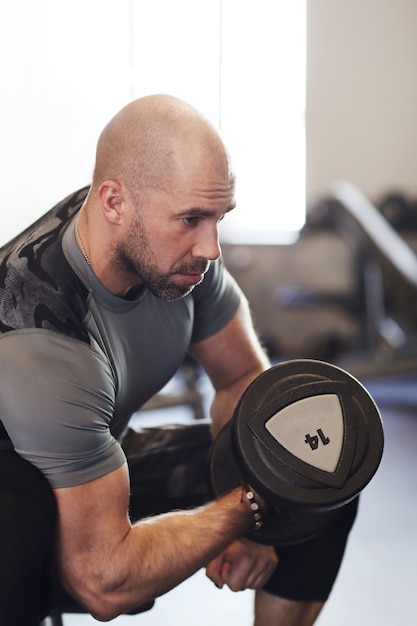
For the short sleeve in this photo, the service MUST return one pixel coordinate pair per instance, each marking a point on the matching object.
(56, 405)
(216, 300)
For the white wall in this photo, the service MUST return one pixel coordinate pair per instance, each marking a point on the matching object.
(362, 94)
(57, 92)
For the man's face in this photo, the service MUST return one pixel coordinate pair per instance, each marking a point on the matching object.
(140, 257)
(174, 236)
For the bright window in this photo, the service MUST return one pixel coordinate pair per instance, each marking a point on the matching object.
(243, 64)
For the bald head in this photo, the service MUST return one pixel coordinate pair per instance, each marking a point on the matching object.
(144, 144)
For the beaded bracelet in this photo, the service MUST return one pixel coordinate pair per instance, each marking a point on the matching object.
(250, 496)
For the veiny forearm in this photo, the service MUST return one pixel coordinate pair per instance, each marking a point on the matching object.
(157, 554)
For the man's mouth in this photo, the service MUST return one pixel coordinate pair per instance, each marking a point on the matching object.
(193, 270)
(192, 278)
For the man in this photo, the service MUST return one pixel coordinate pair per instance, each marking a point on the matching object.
(100, 302)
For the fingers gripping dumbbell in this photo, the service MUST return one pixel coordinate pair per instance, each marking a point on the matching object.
(308, 437)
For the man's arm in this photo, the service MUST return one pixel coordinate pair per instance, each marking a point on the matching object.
(111, 566)
(232, 359)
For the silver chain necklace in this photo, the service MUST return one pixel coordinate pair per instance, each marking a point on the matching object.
(80, 243)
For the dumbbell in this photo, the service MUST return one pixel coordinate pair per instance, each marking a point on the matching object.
(307, 437)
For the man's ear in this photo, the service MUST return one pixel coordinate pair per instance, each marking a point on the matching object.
(111, 197)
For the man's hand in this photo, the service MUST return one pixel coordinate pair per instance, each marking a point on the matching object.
(243, 565)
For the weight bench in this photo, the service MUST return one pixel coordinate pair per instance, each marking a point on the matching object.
(384, 299)
(56, 618)
(67, 605)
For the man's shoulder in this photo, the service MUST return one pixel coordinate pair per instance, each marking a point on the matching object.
(38, 288)
(216, 301)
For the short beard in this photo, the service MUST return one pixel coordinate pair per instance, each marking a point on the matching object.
(160, 285)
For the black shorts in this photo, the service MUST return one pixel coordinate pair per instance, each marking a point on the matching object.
(168, 470)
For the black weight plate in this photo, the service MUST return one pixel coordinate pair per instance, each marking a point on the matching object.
(280, 435)
(224, 474)
(282, 526)
(304, 497)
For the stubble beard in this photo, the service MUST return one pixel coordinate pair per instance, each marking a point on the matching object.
(134, 257)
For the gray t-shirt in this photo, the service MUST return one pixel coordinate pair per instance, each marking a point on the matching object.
(76, 360)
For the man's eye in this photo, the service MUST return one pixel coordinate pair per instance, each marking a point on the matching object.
(191, 221)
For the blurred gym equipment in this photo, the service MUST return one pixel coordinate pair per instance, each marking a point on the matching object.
(383, 301)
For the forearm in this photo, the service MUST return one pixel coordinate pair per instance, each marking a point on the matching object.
(225, 399)
(190, 539)
(157, 554)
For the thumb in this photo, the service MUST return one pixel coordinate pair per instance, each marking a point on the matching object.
(214, 571)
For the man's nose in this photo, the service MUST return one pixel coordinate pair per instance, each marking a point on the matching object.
(207, 246)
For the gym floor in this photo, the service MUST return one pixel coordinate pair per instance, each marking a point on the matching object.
(376, 585)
